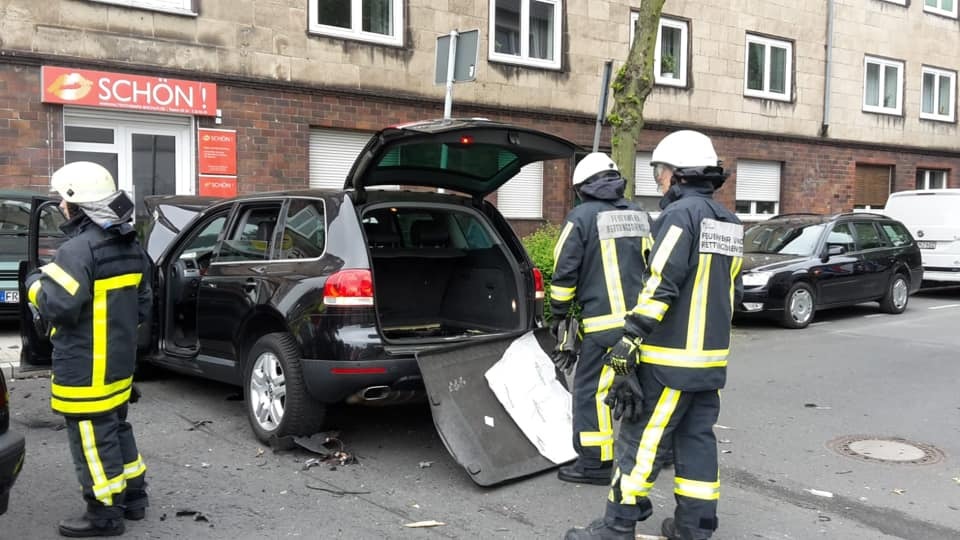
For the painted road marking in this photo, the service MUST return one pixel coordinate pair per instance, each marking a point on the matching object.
(945, 306)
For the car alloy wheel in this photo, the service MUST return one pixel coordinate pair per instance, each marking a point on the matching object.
(268, 391)
(900, 293)
(897, 295)
(799, 306)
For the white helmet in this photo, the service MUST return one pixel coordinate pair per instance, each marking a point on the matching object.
(83, 182)
(591, 164)
(685, 149)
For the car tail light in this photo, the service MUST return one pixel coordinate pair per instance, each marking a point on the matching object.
(538, 291)
(349, 288)
(359, 371)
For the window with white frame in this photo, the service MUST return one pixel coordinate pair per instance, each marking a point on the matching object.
(758, 187)
(947, 8)
(180, 7)
(670, 52)
(882, 85)
(522, 196)
(768, 68)
(526, 32)
(645, 189)
(931, 179)
(939, 95)
(377, 21)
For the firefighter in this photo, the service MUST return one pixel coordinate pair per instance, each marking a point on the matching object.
(598, 264)
(671, 362)
(93, 297)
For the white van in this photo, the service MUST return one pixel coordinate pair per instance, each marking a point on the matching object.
(933, 218)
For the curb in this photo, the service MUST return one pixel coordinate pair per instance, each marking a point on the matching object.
(11, 370)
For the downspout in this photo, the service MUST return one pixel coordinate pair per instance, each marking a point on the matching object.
(828, 71)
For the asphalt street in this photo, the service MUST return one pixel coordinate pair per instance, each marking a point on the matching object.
(791, 394)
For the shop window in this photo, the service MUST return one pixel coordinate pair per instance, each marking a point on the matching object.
(758, 188)
(526, 32)
(522, 196)
(377, 21)
(882, 86)
(670, 52)
(939, 94)
(871, 186)
(180, 7)
(768, 68)
(947, 8)
(930, 179)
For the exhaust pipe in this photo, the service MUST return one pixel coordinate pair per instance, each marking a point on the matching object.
(383, 395)
(375, 393)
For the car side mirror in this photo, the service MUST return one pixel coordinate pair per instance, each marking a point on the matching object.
(834, 249)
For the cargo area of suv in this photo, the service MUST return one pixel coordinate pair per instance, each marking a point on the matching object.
(440, 272)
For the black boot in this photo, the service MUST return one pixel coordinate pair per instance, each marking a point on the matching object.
(572, 473)
(135, 514)
(601, 530)
(669, 529)
(82, 527)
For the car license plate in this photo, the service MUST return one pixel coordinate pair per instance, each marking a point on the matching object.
(926, 244)
(9, 297)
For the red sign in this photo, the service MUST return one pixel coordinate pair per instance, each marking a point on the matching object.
(218, 186)
(217, 150)
(123, 91)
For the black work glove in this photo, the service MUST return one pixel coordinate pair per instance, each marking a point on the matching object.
(566, 352)
(555, 323)
(134, 393)
(624, 356)
(625, 398)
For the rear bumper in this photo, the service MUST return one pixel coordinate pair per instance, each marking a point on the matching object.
(9, 311)
(333, 381)
(11, 461)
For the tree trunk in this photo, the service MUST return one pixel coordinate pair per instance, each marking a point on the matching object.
(631, 87)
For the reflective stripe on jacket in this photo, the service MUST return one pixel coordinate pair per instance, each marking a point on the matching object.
(95, 294)
(689, 291)
(599, 262)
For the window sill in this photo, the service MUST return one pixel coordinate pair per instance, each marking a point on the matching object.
(523, 62)
(385, 41)
(939, 13)
(885, 112)
(671, 83)
(767, 96)
(938, 119)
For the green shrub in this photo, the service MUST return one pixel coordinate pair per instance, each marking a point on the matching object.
(539, 245)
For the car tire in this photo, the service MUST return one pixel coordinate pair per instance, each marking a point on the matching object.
(275, 394)
(897, 296)
(798, 306)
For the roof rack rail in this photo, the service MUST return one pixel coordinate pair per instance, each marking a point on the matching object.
(794, 214)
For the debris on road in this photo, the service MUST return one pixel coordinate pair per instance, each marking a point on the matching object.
(423, 524)
(337, 492)
(724, 441)
(820, 493)
(198, 424)
(844, 472)
(312, 462)
(957, 480)
(197, 516)
(328, 446)
(898, 491)
(259, 452)
(426, 464)
(815, 406)
(718, 426)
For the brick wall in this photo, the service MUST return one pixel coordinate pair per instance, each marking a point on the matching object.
(31, 133)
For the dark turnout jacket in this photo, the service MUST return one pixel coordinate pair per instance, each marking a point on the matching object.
(692, 284)
(599, 257)
(94, 295)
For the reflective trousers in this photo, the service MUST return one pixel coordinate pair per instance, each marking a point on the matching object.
(592, 423)
(108, 465)
(686, 419)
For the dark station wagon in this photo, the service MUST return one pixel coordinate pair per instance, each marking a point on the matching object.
(796, 264)
(315, 297)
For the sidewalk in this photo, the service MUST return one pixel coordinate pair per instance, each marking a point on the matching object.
(10, 358)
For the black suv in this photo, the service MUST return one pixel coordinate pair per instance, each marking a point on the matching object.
(795, 264)
(316, 297)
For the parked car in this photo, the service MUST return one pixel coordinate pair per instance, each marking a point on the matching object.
(11, 448)
(933, 218)
(313, 297)
(796, 264)
(14, 224)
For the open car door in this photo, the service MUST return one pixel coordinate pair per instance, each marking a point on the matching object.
(42, 241)
(476, 429)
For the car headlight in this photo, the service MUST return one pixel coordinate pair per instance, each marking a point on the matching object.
(756, 279)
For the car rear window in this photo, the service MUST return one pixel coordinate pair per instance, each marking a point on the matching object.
(304, 231)
(467, 158)
(896, 233)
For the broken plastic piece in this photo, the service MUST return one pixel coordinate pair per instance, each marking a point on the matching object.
(422, 524)
(820, 493)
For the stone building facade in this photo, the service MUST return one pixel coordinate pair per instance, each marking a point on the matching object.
(815, 106)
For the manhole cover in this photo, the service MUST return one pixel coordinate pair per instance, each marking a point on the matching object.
(872, 448)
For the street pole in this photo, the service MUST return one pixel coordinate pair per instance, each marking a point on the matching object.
(602, 107)
(451, 61)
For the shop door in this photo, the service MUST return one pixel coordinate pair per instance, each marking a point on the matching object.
(148, 155)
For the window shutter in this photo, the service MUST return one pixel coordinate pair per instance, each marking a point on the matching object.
(332, 153)
(872, 186)
(758, 180)
(522, 196)
(645, 185)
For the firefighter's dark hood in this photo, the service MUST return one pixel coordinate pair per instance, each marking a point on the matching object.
(608, 188)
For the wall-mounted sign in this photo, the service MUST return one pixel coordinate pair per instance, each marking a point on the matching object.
(217, 151)
(124, 91)
(218, 186)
